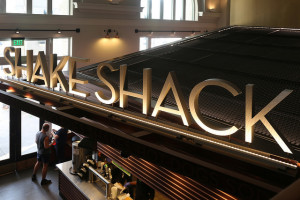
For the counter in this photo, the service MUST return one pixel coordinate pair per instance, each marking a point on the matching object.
(72, 187)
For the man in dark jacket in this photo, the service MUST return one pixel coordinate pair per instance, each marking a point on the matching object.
(61, 140)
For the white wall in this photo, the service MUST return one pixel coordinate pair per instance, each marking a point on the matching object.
(93, 19)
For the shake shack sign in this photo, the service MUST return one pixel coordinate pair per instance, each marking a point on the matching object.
(52, 75)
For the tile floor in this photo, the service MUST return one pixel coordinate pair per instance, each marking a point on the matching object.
(18, 185)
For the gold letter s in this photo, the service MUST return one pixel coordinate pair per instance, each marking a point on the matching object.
(114, 93)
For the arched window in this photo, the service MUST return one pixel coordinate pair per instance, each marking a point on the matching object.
(170, 9)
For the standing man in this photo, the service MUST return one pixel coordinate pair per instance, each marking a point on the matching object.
(43, 154)
(60, 137)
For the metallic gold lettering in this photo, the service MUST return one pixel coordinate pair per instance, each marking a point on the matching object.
(172, 83)
(18, 62)
(114, 93)
(19, 67)
(41, 64)
(72, 77)
(56, 72)
(50, 77)
(251, 121)
(147, 87)
(195, 111)
(9, 59)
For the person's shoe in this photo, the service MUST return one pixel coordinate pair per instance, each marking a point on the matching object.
(33, 177)
(45, 182)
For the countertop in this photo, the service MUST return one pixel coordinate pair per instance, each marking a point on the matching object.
(90, 190)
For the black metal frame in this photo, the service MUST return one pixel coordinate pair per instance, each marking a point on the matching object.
(77, 30)
(15, 132)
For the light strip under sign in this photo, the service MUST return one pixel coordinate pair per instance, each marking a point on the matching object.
(148, 122)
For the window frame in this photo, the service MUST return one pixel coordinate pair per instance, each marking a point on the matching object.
(15, 143)
(149, 41)
(32, 132)
(29, 8)
(26, 9)
(69, 46)
(70, 39)
(183, 10)
(172, 10)
(23, 58)
(9, 140)
(70, 7)
(48, 52)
